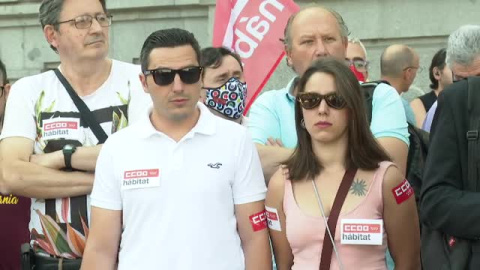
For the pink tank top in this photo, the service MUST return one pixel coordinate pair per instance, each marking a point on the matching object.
(305, 233)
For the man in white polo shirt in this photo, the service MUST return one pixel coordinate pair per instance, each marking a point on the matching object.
(182, 189)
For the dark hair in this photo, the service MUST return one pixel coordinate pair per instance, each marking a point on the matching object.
(363, 150)
(167, 38)
(438, 61)
(3, 73)
(49, 13)
(212, 57)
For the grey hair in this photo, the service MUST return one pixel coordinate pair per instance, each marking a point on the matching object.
(355, 40)
(463, 45)
(49, 14)
(287, 40)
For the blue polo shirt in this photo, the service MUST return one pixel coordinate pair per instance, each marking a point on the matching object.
(409, 114)
(273, 115)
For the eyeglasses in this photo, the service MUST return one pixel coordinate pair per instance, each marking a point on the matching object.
(310, 100)
(2, 88)
(85, 21)
(359, 63)
(419, 69)
(164, 76)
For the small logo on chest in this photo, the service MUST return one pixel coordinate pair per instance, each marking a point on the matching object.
(215, 165)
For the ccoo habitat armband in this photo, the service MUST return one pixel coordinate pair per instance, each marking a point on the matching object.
(402, 192)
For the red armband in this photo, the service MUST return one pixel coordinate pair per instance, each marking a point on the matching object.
(259, 221)
(402, 192)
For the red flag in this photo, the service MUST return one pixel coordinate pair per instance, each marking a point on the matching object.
(252, 28)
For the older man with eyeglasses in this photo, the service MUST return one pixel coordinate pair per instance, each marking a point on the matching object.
(49, 144)
(312, 33)
(356, 58)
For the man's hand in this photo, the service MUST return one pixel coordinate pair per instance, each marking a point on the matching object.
(274, 142)
(54, 160)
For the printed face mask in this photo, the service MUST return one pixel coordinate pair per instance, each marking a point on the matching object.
(228, 99)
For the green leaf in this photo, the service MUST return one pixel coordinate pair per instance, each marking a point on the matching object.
(50, 108)
(54, 234)
(115, 122)
(123, 100)
(38, 104)
(129, 92)
(123, 122)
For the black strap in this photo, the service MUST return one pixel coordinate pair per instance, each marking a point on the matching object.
(85, 112)
(327, 249)
(473, 131)
(368, 89)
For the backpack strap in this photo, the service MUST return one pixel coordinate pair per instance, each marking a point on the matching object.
(473, 131)
(368, 89)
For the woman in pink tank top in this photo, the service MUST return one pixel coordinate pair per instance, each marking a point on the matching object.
(379, 209)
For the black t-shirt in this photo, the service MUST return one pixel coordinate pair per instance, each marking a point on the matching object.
(428, 99)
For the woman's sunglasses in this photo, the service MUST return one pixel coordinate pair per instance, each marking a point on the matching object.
(311, 100)
(165, 76)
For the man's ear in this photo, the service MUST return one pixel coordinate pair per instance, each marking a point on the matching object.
(406, 74)
(288, 56)
(202, 77)
(6, 89)
(345, 43)
(143, 80)
(51, 35)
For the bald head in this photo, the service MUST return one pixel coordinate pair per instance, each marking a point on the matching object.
(314, 10)
(395, 59)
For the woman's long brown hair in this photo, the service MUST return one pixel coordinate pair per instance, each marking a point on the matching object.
(363, 150)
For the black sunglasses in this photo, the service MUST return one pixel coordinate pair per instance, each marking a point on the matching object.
(310, 100)
(165, 76)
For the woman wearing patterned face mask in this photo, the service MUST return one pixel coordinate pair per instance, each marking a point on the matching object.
(338, 174)
(225, 88)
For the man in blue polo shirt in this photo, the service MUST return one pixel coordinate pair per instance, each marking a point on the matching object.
(312, 33)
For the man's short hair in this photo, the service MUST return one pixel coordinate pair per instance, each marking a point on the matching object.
(3, 73)
(355, 40)
(393, 63)
(167, 38)
(342, 26)
(463, 45)
(212, 57)
(49, 13)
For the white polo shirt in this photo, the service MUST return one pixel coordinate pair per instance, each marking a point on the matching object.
(178, 198)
